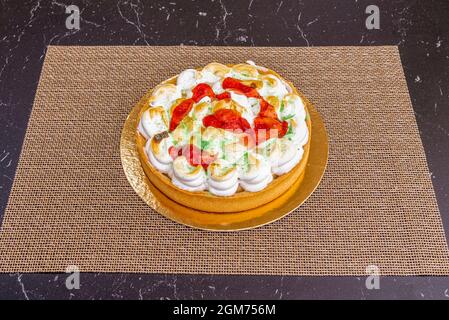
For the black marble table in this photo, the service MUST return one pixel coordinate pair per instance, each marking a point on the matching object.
(419, 28)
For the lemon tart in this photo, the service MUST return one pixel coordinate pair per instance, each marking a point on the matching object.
(224, 138)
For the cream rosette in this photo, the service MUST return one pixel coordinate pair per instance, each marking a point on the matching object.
(222, 178)
(188, 177)
(272, 86)
(254, 172)
(157, 150)
(153, 121)
(285, 157)
(165, 95)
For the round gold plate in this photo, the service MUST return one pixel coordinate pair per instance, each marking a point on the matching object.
(270, 212)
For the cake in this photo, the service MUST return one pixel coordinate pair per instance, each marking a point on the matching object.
(224, 138)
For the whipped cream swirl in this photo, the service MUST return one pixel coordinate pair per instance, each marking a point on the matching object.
(255, 173)
(187, 177)
(222, 178)
(288, 156)
(157, 153)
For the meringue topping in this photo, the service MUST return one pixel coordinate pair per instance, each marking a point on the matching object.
(188, 177)
(222, 178)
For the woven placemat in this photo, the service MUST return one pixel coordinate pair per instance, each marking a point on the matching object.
(72, 205)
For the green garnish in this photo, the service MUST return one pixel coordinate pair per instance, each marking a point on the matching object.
(287, 117)
(222, 146)
(204, 144)
(282, 107)
(246, 160)
(289, 133)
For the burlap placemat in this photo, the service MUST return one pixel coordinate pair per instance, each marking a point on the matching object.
(72, 205)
